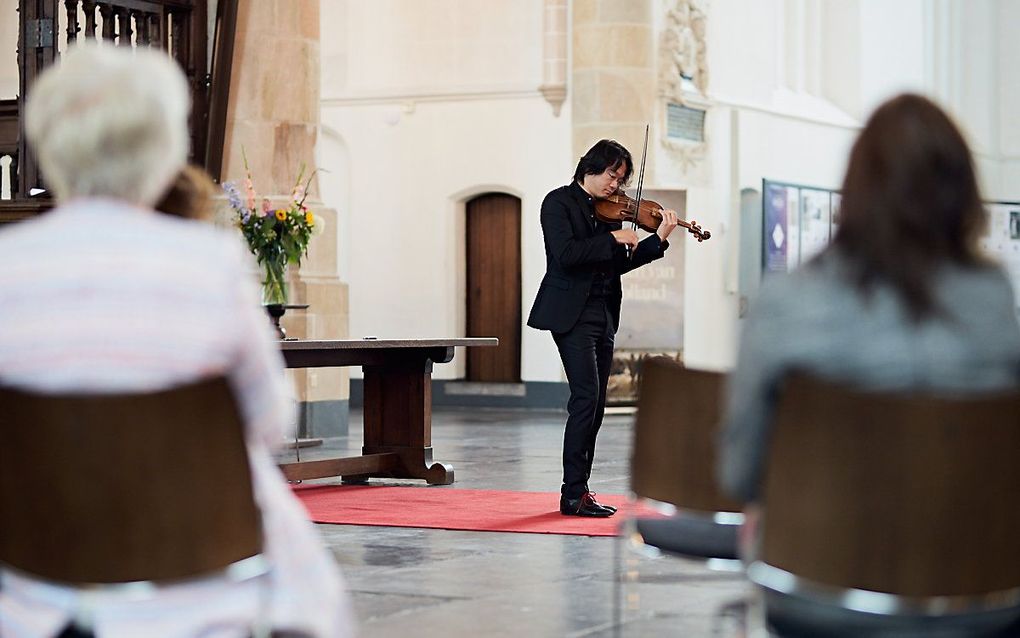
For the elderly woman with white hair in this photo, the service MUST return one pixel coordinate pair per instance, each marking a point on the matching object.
(102, 294)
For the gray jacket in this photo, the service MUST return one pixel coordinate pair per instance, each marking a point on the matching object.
(814, 320)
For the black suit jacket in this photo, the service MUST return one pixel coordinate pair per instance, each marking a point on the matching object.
(576, 246)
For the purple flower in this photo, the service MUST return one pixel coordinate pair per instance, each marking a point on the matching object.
(233, 195)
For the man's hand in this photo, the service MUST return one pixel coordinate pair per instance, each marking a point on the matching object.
(629, 237)
(668, 223)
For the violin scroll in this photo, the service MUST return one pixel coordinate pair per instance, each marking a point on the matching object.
(691, 226)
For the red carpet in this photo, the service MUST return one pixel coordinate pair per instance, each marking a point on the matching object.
(452, 508)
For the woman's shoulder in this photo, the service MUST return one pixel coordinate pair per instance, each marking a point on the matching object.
(986, 275)
(983, 287)
(815, 280)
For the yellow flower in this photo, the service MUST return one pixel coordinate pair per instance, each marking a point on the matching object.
(309, 218)
(281, 214)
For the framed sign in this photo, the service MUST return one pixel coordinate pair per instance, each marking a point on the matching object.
(1002, 241)
(797, 223)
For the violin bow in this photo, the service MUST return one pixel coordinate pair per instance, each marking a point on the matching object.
(640, 187)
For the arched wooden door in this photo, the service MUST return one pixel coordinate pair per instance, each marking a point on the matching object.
(494, 286)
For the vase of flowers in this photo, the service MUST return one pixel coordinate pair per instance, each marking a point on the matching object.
(277, 236)
(274, 281)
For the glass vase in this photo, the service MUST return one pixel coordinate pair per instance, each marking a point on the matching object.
(274, 282)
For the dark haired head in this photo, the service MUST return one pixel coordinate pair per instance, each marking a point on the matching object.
(190, 195)
(605, 154)
(910, 201)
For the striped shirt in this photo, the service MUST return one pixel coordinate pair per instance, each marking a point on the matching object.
(99, 296)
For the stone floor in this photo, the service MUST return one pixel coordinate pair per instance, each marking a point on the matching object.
(426, 582)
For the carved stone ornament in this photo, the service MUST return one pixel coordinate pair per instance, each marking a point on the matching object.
(683, 78)
(689, 156)
(682, 50)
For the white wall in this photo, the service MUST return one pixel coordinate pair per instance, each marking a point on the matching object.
(412, 174)
(1008, 81)
(440, 104)
(789, 103)
(766, 123)
(415, 47)
(891, 51)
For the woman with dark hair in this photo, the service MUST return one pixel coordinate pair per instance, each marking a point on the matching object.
(579, 302)
(901, 299)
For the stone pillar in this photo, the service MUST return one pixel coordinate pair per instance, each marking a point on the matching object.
(274, 116)
(613, 73)
(554, 53)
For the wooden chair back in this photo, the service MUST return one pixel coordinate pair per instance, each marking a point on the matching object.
(674, 454)
(125, 487)
(914, 495)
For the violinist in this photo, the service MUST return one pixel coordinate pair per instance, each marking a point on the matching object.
(579, 302)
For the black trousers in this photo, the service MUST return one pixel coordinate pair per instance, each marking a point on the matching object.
(587, 354)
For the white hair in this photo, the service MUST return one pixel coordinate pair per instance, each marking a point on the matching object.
(109, 122)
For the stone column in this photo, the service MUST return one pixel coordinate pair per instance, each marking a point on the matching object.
(613, 73)
(554, 53)
(274, 116)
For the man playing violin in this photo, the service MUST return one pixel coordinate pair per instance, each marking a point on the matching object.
(579, 302)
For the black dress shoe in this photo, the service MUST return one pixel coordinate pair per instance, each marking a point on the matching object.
(611, 508)
(585, 505)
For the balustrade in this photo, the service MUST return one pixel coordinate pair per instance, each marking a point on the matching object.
(179, 27)
(8, 149)
(134, 23)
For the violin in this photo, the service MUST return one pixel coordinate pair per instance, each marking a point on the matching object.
(618, 207)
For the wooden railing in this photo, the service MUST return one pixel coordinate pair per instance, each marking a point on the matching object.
(176, 26)
(179, 27)
(8, 147)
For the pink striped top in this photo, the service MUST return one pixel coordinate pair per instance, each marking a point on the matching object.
(101, 296)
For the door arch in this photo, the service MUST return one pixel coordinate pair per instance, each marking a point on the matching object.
(493, 232)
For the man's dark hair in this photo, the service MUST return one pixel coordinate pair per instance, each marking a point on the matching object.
(910, 202)
(605, 154)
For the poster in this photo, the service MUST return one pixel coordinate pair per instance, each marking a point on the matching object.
(792, 227)
(774, 227)
(835, 200)
(651, 316)
(814, 222)
(1002, 241)
(797, 223)
(625, 374)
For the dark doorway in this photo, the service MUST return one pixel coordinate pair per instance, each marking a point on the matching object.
(494, 286)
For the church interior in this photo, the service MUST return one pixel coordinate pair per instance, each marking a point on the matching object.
(412, 147)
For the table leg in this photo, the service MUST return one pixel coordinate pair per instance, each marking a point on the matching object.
(398, 419)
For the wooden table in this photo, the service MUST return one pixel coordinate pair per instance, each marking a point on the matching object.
(398, 405)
